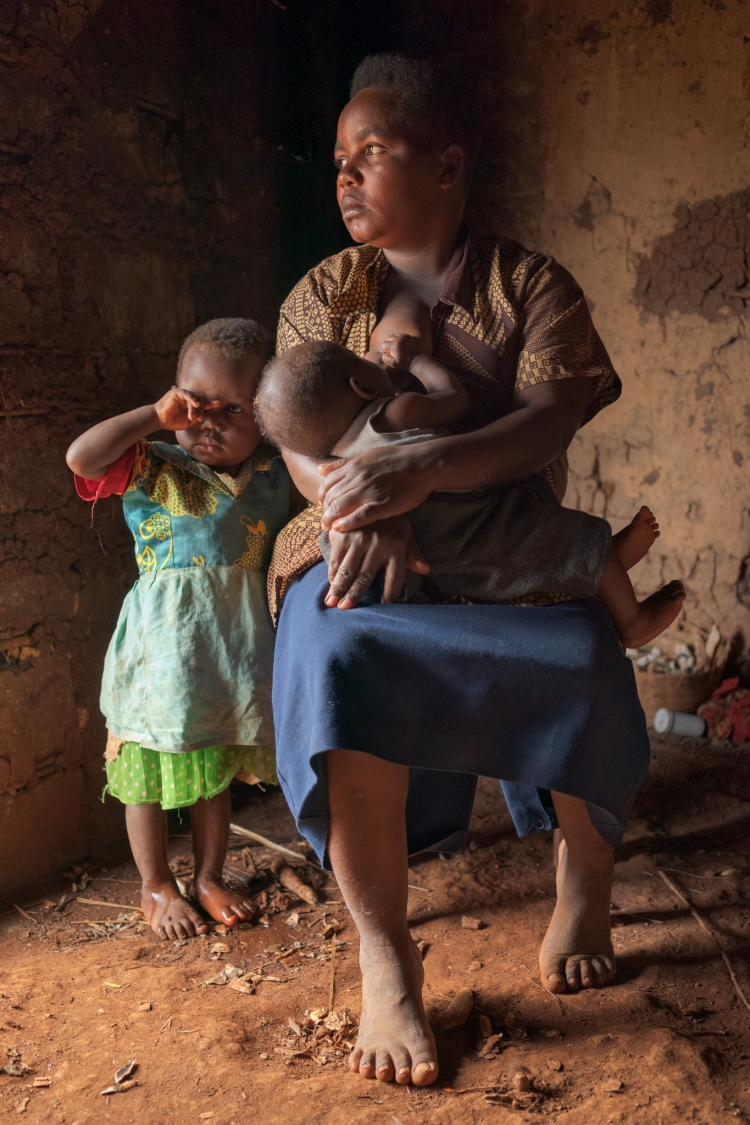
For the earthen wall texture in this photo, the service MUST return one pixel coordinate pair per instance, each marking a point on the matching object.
(629, 127)
(136, 200)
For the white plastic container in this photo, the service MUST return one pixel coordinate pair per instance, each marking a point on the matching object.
(679, 722)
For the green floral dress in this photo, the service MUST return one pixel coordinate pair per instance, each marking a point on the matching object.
(186, 689)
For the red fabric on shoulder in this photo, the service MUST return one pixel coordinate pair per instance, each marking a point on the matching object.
(119, 476)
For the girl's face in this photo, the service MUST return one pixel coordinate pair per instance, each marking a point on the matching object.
(393, 191)
(228, 432)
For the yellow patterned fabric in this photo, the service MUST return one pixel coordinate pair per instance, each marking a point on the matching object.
(507, 319)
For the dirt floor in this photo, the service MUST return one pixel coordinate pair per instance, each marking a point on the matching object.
(84, 990)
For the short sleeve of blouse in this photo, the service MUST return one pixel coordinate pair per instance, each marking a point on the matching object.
(305, 315)
(119, 475)
(558, 338)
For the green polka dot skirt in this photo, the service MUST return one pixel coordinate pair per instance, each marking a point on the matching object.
(139, 776)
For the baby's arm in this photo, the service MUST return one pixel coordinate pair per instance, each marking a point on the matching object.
(94, 451)
(446, 399)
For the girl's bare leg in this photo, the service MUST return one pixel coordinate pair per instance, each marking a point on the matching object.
(577, 949)
(168, 913)
(367, 846)
(210, 819)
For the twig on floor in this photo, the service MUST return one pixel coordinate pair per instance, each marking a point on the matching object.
(547, 993)
(424, 890)
(692, 874)
(332, 990)
(23, 913)
(101, 902)
(239, 831)
(106, 879)
(705, 926)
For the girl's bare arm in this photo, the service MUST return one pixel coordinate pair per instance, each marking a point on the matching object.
(93, 452)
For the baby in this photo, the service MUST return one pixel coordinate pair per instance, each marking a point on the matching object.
(501, 544)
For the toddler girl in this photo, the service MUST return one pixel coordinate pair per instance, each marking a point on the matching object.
(186, 690)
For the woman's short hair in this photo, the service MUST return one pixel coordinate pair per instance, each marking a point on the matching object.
(426, 91)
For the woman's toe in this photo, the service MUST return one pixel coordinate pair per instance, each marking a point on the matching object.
(586, 971)
(384, 1067)
(401, 1065)
(366, 1065)
(425, 1072)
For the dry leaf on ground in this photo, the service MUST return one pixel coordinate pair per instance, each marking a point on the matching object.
(457, 1011)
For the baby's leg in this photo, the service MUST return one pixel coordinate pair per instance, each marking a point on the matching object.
(167, 912)
(635, 541)
(210, 820)
(403, 316)
(638, 622)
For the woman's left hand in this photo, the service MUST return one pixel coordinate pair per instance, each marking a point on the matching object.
(374, 485)
(357, 556)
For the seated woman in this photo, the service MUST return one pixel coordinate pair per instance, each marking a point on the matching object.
(386, 715)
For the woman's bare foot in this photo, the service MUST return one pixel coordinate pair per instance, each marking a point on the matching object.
(222, 904)
(653, 616)
(168, 913)
(635, 541)
(577, 949)
(394, 1039)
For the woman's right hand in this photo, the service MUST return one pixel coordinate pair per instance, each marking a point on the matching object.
(357, 556)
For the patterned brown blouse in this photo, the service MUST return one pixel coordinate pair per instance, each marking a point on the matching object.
(506, 320)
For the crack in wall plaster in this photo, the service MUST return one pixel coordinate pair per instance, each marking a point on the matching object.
(703, 265)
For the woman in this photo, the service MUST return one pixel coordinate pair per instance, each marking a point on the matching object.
(386, 715)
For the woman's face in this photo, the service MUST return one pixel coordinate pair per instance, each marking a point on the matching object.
(393, 191)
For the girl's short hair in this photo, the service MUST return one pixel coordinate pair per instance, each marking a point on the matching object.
(231, 336)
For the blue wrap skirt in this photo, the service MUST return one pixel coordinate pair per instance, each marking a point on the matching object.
(540, 698)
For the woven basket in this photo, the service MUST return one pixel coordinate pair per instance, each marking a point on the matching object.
(683, 692)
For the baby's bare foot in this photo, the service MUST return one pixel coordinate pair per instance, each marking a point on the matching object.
(654, 615)
(636, 540)
(577, 949)
(222, 904)
(168, 913)
(394, 1039)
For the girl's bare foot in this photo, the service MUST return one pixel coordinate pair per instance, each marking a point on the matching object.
(222, 904)
(636, 540)
(168, 913)
(654, 615)
(394, 1039)
(577, 949)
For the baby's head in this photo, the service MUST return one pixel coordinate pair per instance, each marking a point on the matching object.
(309, 396)
(220, 363)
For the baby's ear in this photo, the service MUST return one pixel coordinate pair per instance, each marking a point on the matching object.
(360, 388)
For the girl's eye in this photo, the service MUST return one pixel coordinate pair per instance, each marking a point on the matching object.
(339, 162)
(234, 408)
(373, 149)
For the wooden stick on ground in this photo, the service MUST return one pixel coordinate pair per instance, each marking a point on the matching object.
(101, 902)
(22, 912)
(239, 831)
(332, 990)
(704, 925)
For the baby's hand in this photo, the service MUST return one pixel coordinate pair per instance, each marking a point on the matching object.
(178, 410)
(399, 350)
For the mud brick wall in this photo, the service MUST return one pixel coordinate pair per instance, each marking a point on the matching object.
(629, 160)
(135, 201)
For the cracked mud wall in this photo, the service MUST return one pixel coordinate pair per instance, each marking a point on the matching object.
(629, 161)
(136, 200)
